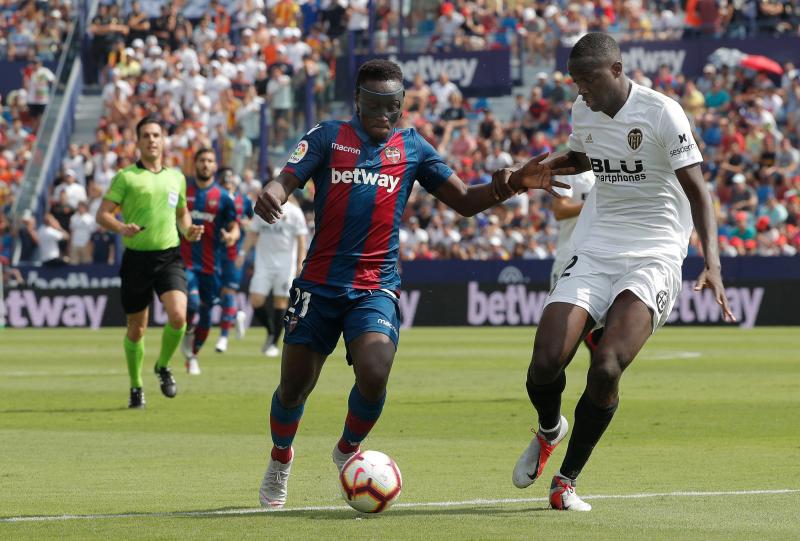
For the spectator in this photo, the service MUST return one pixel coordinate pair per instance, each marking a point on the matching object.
(50, 234)
(39, 90)
(103, 246)
(81, 227)
(74, 192)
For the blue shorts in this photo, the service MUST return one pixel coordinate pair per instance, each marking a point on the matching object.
(318, 315)
(206, 286)
(231, 274)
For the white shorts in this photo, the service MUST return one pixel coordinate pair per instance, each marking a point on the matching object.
(275, 281)
(593, 281)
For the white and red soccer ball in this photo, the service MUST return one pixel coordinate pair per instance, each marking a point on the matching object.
(370, 481)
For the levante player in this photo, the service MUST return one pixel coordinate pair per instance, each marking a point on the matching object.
(363, 170)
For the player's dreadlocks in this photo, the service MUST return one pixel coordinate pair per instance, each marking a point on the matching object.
(379, 70)
(598, 47)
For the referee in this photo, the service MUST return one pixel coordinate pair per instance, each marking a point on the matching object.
(152, 199)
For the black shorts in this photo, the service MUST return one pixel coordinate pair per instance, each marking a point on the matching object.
(144, 272)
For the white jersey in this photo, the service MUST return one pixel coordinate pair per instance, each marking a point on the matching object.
(277, 243)
(637, 207)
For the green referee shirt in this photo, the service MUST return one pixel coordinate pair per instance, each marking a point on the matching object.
(149, 200)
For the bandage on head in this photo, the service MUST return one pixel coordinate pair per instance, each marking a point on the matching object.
(381, 104)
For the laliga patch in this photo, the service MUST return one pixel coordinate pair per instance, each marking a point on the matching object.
(172, 199)
(392, 154)
(299, 152)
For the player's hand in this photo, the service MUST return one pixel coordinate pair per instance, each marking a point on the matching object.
(268, 207)
(501, 189)
(239, 261)
(194, 233)
(712, 279)
(129, 230)
(538, 173)
(228, 238)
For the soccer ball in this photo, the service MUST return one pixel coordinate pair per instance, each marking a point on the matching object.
(370, 482)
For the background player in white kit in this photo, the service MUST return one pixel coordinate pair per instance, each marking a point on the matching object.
(566, 210)
(626, 253)
(280, 249)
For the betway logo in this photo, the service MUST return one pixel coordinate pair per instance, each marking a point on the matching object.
(701, 306)
(204, 216)
(650, 61)
(514, 306)
(461, 71)
(362, 176)
(26, 309)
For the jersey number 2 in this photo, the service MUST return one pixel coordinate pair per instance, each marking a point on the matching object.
(571, 264)
(305, 297)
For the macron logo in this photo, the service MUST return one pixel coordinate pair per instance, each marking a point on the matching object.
(351, 150)
(362, 176)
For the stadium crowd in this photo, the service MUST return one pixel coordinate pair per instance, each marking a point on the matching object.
(209, 77)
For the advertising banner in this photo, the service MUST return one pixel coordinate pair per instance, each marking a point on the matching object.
(475, 73)
(761, 291)
(688, 56)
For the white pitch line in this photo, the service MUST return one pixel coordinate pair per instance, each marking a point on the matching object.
(464, 503)
(671, 355)
(32, 374)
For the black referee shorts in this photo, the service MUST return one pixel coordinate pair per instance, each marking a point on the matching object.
(144, 272)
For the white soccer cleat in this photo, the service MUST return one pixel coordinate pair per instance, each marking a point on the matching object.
(241, 324)
(187, 344)
(192, 366)
(273, 489)
(533, 459)
(339, 458)
(563, 496)
(222, 344)
(272, 351)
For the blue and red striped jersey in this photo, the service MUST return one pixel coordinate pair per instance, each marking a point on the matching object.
(362, 188)
(244, 209)
(212, 208)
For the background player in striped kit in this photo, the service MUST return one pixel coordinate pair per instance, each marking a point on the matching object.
(363, 170)
(212, 207)
(231, 273)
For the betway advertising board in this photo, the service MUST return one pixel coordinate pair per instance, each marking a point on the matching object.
(761, 291)
(475, 73)
(688, 57)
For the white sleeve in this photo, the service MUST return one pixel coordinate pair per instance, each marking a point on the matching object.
(575, 143)
(564, 192)
(675, 135)
(300, 227)
(255, 224)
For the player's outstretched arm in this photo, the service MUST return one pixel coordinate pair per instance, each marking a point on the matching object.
(274, 195)
(537, 173)
(694, 185)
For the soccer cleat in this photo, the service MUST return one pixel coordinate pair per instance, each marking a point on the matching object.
(273, 489)
(339, 458)
(530, 465)
(136, 399)
(241, 324)
(272, 351)
(187, 345)
(192, 366)
(222, 344)
(168, 386)
(563, 497)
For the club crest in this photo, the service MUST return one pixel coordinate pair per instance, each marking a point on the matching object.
(661, 300)
(392, 154)
(635, 138)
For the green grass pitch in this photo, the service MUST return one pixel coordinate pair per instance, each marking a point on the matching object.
(711, 411)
